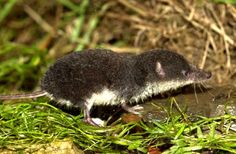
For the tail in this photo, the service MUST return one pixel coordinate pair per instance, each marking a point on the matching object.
(23, 96)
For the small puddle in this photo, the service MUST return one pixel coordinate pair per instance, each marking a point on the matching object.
(211, 102)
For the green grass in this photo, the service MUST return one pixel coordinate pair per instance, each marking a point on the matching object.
(6, 9)
(78, 35)
(226, 1)
(20, 65)
(38, 122)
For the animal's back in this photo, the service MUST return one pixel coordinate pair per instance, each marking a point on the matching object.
(78, 75)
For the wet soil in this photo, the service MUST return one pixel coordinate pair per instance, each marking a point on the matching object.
(210, 102)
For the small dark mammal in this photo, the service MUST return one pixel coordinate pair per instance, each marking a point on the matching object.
(103, 77)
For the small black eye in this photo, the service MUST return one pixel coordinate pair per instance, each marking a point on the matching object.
(185, 73)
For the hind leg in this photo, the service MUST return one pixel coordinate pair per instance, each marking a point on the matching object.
(87, 118)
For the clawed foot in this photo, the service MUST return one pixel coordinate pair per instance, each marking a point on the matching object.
(135, 109)
(95, 122)
(90, 121)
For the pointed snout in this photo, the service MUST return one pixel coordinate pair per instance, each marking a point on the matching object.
(201, 75)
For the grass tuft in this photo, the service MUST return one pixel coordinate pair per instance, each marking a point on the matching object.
(38, 122)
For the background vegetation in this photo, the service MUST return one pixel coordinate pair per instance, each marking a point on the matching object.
(35, 33)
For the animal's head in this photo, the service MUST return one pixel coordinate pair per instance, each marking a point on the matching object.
(172, 66)
(170, 70)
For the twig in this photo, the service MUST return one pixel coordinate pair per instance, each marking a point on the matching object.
(199, 23)
(134, 8)
(228, 63)
(138, 36)
(34, 15)
(205, 53)
(212, 42)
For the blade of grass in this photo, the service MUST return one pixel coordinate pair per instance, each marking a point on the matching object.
(6, 9)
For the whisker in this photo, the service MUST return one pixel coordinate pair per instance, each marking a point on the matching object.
(205, 86)
(200, 86)
(195, 93)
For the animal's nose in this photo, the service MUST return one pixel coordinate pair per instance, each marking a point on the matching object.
(208, 75)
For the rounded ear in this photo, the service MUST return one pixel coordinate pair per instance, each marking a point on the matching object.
(159, 69)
